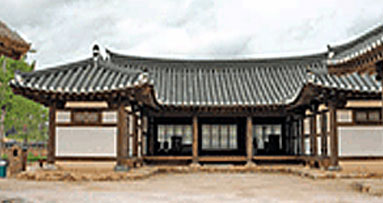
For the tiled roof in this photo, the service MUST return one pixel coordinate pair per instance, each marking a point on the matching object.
(198, 83)
(357, 47)
(355, 82)
(82, 77)
(11, 35)
(259, 82)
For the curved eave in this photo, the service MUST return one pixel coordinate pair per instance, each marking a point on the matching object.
(357, 48)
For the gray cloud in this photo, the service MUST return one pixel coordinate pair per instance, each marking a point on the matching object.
(63, 31)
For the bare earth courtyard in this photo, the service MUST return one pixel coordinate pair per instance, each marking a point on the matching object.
(194, 187)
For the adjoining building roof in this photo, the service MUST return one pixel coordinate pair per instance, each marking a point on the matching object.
(361, 45)
(13, 36)
(355, 82)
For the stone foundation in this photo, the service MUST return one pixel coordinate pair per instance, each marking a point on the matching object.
(147, 171)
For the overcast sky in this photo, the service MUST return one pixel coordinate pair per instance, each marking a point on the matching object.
(64, 31)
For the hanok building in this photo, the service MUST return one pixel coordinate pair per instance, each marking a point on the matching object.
(11, 44)
(317, 108)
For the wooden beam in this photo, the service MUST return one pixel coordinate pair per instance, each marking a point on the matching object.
(52, 135)
(276, 158)
(195, 140)
(167, 158)
(222, 158)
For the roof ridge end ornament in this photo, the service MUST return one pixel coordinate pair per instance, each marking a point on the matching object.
(311, 75)
(143, 78)
(96, 53)
(330, 51)
(18, 77)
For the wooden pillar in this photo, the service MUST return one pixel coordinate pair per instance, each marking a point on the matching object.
(293, 137)
(195, 141)
(313, 135)
(52, 135)
(122, 131)
(151, 136)
(324, 135)
(144, 138)
(287, 140)
(249, 141)
(140, 135)
(334, 163)
(135, 135)
(302, 131)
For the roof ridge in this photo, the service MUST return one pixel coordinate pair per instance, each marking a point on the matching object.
(318, 56)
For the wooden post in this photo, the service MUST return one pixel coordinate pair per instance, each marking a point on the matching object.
(195, 142)
(140, 136)
(334, 163)
(313, 135)
(302, 130)
(135, 136)
(293, 137)
(324, 135)
(52, 135)
(122, 130)
(249, 141)
(151, 136)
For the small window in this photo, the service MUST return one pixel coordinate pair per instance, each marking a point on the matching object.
(368, 116)
(361, 116)
(374, 116)
(86, 117)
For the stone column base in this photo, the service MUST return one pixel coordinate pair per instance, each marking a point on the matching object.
(334, 168)
(250, 164)
(50, 167)
(121, 168)
(195, 165)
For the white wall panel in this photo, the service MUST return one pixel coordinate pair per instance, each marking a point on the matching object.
(360, 140)
(306, 123)
(86, 141)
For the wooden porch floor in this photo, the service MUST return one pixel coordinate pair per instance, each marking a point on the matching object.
(222, 158)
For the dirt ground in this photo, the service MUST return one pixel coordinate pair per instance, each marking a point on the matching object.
(363, 166)
(194, 187)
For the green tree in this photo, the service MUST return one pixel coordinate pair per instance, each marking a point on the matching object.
(25, 116)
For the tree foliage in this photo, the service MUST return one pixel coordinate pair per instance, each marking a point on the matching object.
(23, 116)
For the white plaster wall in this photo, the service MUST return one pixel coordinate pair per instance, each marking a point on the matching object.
(360, 141)
(86, 141)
